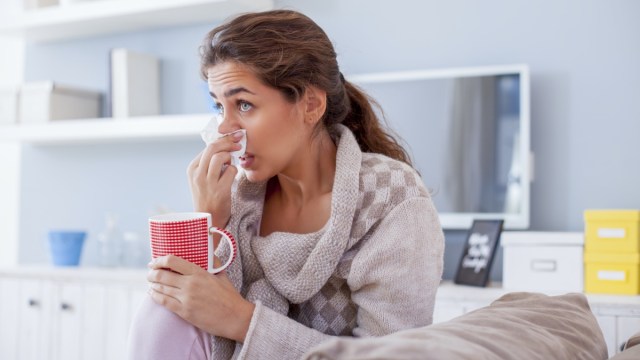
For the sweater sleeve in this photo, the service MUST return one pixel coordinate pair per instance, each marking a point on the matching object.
(393, 279)
(395, 276)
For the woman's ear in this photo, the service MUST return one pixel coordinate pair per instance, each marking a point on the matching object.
(315, 104)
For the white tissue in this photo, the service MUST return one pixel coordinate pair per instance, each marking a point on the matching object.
(210, 133)
(235, 155)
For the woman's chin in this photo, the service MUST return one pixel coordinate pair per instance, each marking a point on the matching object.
(254, 177)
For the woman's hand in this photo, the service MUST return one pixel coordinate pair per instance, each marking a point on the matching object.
(209, 302)
(210, 185)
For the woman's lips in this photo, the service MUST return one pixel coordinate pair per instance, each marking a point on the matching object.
(246, 160)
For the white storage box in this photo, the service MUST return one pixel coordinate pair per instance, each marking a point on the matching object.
(38, 4)
(8, 106)
(549, 262)
(45, 101)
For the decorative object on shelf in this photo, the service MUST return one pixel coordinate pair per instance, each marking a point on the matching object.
(135, 84)
(479, 251)
(612, 251)
(111, 243)
(41, 102)
(66, 247)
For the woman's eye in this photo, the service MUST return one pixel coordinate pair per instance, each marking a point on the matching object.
(244, 106)
(219, 108)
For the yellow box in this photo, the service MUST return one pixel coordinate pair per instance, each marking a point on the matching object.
(612, 231)
(612, 273)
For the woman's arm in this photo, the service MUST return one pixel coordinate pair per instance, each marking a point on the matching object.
(393, 279)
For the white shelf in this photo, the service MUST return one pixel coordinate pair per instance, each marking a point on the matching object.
(95, 17)
(163, 127)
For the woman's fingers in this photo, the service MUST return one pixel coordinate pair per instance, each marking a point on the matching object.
(174, 263)
(216, 165)
(168, 301)
(224, 144)
(193, 165)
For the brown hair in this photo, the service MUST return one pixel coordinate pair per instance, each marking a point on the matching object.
(288, 51)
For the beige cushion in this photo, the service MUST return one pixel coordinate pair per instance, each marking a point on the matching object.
(631, 349)
(516, 326)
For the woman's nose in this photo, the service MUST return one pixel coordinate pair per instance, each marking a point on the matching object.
(226, 124)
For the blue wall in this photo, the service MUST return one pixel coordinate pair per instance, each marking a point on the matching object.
(585, 68)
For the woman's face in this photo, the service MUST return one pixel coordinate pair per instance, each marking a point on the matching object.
(275, 127)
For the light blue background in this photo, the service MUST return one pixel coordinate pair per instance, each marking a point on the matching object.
(585, 105)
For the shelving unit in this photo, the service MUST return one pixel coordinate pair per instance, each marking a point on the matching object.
(96, 17)
(84, 19)
(164, 127)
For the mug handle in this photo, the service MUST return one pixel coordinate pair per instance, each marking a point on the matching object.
(231, 241)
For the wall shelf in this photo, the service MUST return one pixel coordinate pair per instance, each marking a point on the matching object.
(90, 18)
(164, 127)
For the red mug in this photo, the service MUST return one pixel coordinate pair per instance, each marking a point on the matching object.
(189, 235)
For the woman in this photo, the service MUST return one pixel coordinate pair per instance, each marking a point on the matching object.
(336, 232)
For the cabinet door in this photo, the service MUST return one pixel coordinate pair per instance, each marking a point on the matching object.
(117, 322)
(33, 313)
(608, 326)
(9, 309)
(94, 322)
(68, 311)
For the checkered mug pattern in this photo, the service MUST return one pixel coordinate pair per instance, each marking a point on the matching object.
(189, 235)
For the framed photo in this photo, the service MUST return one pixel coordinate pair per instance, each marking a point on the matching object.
(478, 253)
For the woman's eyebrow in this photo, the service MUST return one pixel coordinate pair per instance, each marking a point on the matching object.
(232, 92)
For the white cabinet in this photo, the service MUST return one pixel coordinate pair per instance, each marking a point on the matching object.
(68, 314)
(617, 315)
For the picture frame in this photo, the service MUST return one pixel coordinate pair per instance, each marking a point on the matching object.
(478, 253)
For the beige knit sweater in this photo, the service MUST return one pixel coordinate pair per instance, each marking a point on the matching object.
(373, 269)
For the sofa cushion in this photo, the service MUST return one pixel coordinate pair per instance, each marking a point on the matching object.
(516, 326)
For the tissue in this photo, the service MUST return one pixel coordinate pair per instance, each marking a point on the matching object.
(210, 133)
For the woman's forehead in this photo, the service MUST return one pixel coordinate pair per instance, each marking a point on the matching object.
(227, 75)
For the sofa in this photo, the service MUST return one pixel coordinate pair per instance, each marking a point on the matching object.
(519, 325)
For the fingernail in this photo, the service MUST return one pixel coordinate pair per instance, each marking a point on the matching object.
(237, 135)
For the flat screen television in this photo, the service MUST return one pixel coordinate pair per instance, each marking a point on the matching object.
(467, 131)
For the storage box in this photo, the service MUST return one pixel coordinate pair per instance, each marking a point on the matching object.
(135, 84)
(8, 106)
(38, 4)
(46, 101)
(612, 231)
(550, 262)
(612, 273)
